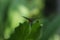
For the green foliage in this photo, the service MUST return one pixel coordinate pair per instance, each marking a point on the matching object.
(23, 32)
(13, 25)
(12, 13)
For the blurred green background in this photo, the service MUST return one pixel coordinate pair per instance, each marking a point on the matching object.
(29, 20)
